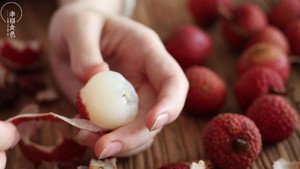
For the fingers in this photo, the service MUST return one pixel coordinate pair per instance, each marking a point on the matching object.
(134, 135)
(74, 37)
(83, 41)
(161, 69)
(88, 138)
(122, 141)
(9, 136)
(64, 77)
(2, 159)
(170, 82)
(137, 150)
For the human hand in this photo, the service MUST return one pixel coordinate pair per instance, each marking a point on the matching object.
(9, 137)
(85, 41)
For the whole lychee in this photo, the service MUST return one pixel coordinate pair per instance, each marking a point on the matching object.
(272, 36)
(232, 141)
(189, 45)
(274, 116)
(266, 55)
(257, 82)
(284, 12)
(206, 12)
(292, 32)
(207, 91)
(244, 21)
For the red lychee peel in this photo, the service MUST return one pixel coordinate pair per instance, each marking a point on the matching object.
(82, 108)
(257, 82)
(189, 45)
(265, 55)
(275, 118)
(219, 136)
(207, 91)
(76, 122)
(67, 150)
(17, 58)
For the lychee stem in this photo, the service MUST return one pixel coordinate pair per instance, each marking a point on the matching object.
(294, 60)
(276, 92)
(288, 93)
(225, 13)
(240, 144)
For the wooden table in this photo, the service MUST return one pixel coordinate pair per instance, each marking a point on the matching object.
(177, 142)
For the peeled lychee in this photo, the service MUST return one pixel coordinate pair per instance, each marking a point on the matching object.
(108, 100)
(243, 22)
(266, 55)
(272, 36)
(292, 32)
(284, 12)
(206, 12)
(20, 54)
(256, 82)
(207, 91)
(232, 141)
(274, 116)
(189, 45)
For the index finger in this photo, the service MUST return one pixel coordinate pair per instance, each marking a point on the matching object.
(169, 80)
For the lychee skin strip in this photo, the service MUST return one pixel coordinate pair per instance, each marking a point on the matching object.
(76, 122)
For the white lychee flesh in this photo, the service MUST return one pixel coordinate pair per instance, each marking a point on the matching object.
(110, 100)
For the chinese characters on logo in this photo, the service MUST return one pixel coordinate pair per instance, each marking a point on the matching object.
(11, 21)
(11, 13)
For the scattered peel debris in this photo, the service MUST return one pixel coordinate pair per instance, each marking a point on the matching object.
(64, 149)
(19, 54)
(110, 163)
(283, 164)
(199, 165)
(47, 95)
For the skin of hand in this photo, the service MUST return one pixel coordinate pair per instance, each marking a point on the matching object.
(85, 40)
(9, 138)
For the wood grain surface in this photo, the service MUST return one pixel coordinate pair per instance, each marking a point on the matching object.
(177, 142)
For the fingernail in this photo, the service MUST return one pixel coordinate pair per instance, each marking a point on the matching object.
(160, 121)
(111, 149)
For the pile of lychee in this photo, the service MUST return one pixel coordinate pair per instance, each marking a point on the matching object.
(266, 41)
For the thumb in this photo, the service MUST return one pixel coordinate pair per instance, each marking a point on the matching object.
(9, 136)
(83, 41)
(2, 160)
